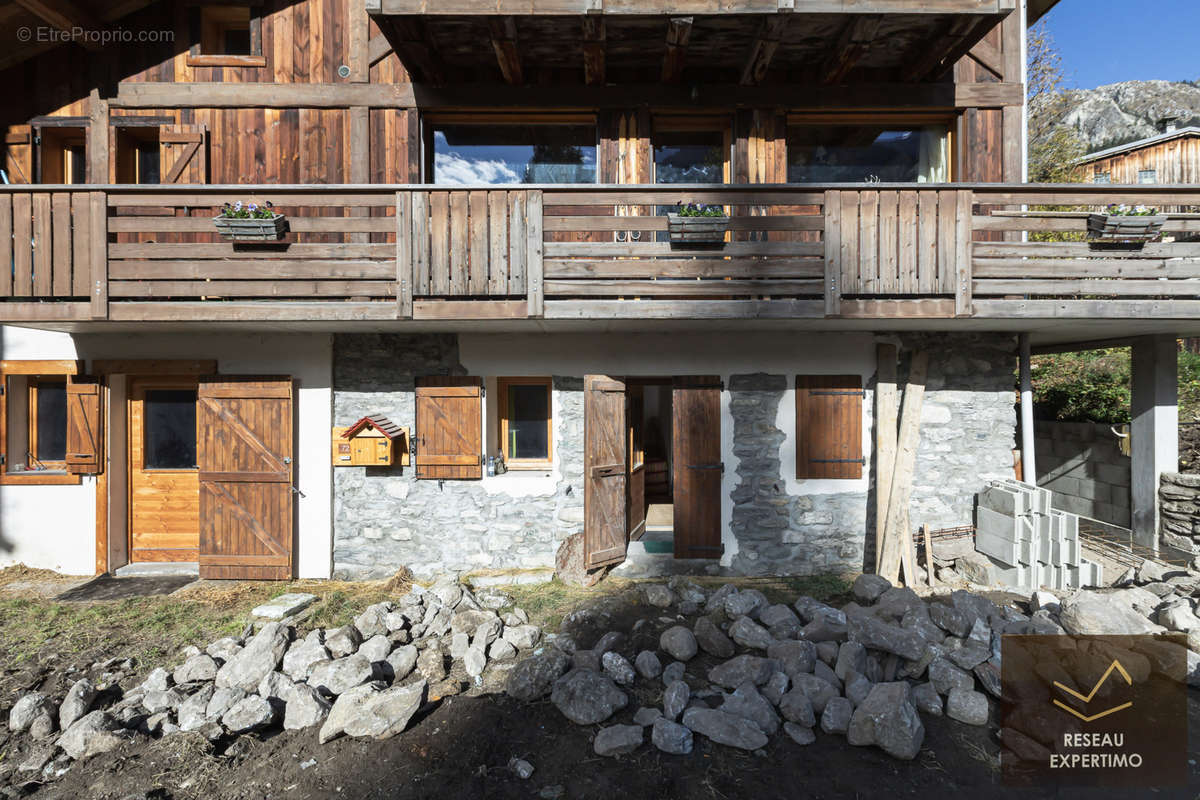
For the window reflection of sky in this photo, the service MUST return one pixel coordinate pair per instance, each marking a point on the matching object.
(510, 157)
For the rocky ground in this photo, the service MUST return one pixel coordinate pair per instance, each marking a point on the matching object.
(659, 689)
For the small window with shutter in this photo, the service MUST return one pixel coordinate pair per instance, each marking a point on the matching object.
(38, 415)
(449, 435)
(829, 426)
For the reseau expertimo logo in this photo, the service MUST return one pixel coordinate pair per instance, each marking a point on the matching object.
(1094, 710)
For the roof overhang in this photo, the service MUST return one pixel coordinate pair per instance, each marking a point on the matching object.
(740, 42)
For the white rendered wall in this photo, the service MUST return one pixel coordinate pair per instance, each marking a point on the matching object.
(54, 526)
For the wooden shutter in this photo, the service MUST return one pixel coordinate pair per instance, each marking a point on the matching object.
(85, 426)
(18, 154)
(183, 153)
(829, 426)
(605, 535)
(244, 443)
(449, 433)
(696, 460)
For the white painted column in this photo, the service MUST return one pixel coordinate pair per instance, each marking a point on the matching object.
(1154, 434)
(1028, 461)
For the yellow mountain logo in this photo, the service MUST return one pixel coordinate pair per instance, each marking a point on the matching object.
(1115, 665)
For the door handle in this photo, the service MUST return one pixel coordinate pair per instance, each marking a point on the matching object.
(287, 459)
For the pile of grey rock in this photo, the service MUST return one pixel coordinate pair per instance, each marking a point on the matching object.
(364, 679)
(736, 669)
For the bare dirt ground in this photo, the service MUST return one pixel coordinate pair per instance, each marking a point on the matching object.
(461, 746)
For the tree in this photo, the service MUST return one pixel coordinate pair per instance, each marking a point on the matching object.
(1054, 146)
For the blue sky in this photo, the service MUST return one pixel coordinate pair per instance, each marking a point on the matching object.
(1106, 41)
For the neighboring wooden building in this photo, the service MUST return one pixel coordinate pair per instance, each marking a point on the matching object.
(1171, 157)
(477, 248)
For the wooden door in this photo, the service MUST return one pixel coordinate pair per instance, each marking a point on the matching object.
(605, 534)
(245, 451)
(634, 415)
(164, 484)
(696, 449)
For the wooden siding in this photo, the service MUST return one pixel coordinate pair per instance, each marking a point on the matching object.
(1176, 161)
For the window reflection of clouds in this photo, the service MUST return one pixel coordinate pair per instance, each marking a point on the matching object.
(511, 155)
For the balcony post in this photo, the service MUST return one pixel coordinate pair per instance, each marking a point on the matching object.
(1154, 434)
(833, 255)
(99, 255)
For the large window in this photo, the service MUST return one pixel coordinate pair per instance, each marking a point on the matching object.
(464, 154)
(690, 157)
(862, 151)
(33, 422)
(526, 421)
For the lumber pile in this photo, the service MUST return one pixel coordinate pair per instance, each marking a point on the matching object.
(896, 455)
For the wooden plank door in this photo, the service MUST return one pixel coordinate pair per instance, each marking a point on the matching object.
(245, 454)
(634, 415)
(164, 504)
(696, 449)
(605, 534)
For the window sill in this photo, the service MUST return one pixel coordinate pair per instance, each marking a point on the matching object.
(226, 61)
(529, 466)
(39, 478)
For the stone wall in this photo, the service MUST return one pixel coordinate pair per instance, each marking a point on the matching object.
(968, 423)
(1179, 506)
(1082, 463)
(780, 532)
(968, 429)
(384, 518)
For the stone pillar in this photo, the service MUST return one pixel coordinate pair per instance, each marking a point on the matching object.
(1154, 434)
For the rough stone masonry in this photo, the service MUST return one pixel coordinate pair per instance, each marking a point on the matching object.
(384, 518)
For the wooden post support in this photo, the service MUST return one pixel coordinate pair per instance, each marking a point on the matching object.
(906, 457)
(404, 256)
(962, 254)
(886, 407)
(533, 268)
(833, 254)
(99, 255)
(930, 577)
(97, 139)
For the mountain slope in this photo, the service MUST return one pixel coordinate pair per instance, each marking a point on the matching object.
(1122, 112)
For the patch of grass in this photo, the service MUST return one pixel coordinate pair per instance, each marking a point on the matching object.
(547, 603)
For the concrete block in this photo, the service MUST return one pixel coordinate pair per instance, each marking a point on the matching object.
(1095, 491)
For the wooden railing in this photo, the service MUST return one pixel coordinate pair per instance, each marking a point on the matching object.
(417, 252)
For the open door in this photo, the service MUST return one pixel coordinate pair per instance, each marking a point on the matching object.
(605, 534)
(245, 456)
(696, 449)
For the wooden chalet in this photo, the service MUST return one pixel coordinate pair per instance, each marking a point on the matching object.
(477, 246)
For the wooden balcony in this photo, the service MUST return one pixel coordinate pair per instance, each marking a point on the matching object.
(869, 255)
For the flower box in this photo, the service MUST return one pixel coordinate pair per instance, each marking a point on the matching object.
(697, 230)
(249, 229)
(1125, 227)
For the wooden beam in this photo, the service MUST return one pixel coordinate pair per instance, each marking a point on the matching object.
(378, 48)
(634, 8)
(706, 97)
(988, 56)
(360, 31)
(679, 32)
(412, 41)
(594, 50)
(770, 32)
(885, 439)
(894, 539)
(504, 41)
(263, 95)
(957, 37)
(97, 139)
(66, 16)
(852, 44)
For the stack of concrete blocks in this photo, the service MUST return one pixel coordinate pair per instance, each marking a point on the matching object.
(1030, 544)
